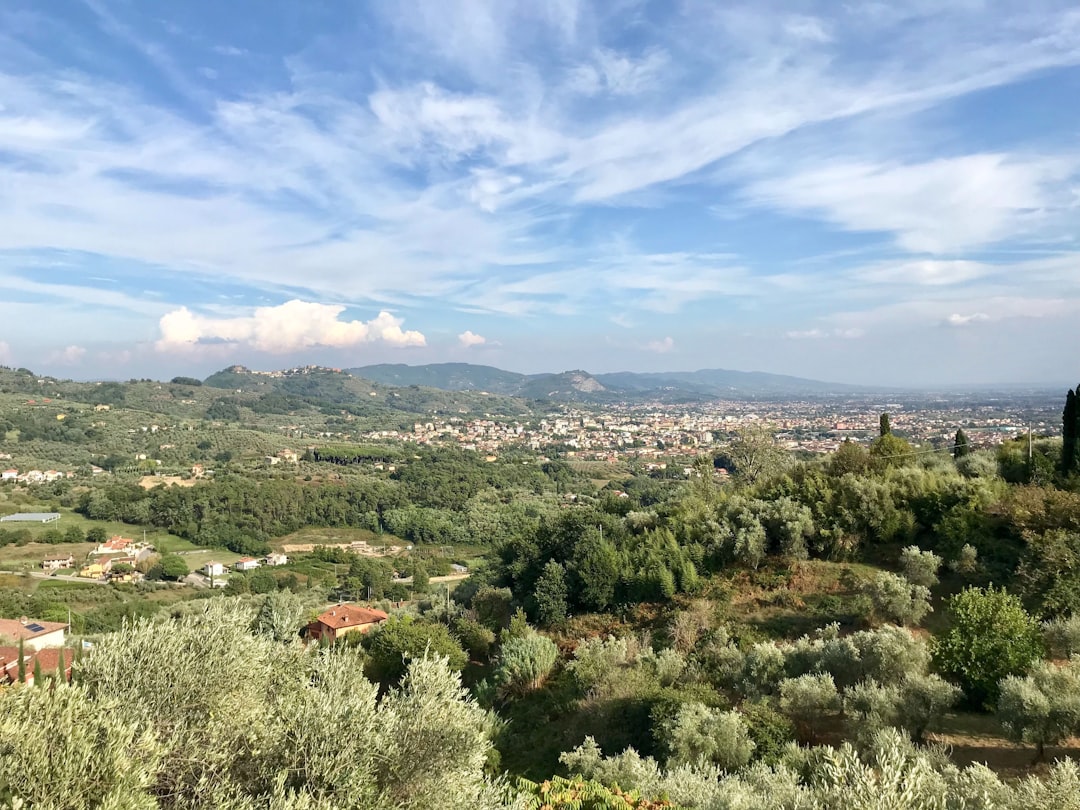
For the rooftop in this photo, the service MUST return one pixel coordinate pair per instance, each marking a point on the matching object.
(27, 629)
(341, 616)
(31, 517)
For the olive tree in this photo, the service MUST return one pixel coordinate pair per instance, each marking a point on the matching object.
(806, 699)
(1042, 708)
(697, 733)
(895, 599)
(1062, 636)
(920, 567)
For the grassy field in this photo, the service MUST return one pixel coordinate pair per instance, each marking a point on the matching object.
(29, 557)
(68, 518)
(197, 559)
(320, 536)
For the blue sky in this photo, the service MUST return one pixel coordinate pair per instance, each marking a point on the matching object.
(864, 192)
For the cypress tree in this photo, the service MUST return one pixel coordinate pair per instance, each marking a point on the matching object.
(960, 444)
(38, 677)
(884, 428)
(1070, 433)
(21, 672)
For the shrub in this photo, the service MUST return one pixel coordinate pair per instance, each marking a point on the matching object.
(697, 734)
(895, 599)
(525, 661)
(991, 637)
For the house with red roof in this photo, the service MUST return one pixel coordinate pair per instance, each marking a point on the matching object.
(343, 619)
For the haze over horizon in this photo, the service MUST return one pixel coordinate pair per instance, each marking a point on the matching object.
(880, 194)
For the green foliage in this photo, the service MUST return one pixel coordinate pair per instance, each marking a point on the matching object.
(525, 662)
(961, 446)
(884, 428)
(1070, 432)
(477, 640)
(399, 640)
(990, 637)
(61, 749)
(895, 599)
(920, 567)
(806, 700)
(754, 455)
(280, 617)
(550, 595)
(1042, 708)
(559, 793)
(697, 733)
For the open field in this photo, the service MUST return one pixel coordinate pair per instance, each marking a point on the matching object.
(29, 557)
(68, 518)
(328, 537)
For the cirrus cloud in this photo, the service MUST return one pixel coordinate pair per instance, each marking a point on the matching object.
(288, 327)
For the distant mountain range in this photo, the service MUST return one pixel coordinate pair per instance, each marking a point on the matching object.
(581, 386)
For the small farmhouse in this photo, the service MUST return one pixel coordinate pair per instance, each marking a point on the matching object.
(246, 564)
(341, 620)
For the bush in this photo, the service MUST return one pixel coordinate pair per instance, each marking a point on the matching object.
(1062, 636)
(920, 567)
(700, 734)
(524, 662)
(400, 640)
(990, 637)
(895, 599)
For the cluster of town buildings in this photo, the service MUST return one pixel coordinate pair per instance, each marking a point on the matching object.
(653, 432)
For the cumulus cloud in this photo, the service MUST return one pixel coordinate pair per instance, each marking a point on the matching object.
(956, 319)
(281, 329)
(469, 339)
(663, 346)
(69, 356)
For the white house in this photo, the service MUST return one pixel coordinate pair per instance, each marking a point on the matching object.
(36, 635)
(9, 475)
(246, 564)
(214, 569)
(276, 559)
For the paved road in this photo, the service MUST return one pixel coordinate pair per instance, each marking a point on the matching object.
(64, 578)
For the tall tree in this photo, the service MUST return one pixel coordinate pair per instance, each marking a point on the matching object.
(21, 671)
(884, 428)
(961, 447)
(1070, 433)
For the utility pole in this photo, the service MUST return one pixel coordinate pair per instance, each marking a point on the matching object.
(1030, 470)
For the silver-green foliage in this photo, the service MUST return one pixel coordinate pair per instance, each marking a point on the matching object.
(241, 721)
(895, 599)
(525, 661)
(60, 751)
(890, 773)
(280, 616)
(920, 567)
(1042, 708)
(1062, 636)
(697, 733)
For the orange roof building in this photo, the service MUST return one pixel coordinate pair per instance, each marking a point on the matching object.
(343, 619)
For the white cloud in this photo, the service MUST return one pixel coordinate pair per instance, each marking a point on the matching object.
(662, 346)
(850, 333)
(288, 327)
(469, 339)
(69, 356)
(618, 74)
(935, 207)
(957, 319)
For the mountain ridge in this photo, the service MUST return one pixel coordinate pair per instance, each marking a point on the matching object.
(605, 387)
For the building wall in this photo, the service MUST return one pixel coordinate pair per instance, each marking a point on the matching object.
(45, 640)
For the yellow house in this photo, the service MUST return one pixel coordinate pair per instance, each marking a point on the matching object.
(94, 570)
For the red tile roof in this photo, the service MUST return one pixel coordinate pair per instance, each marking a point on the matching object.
(342, 616)
(31, 628)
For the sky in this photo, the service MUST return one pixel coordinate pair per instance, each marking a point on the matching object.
(867, 192)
